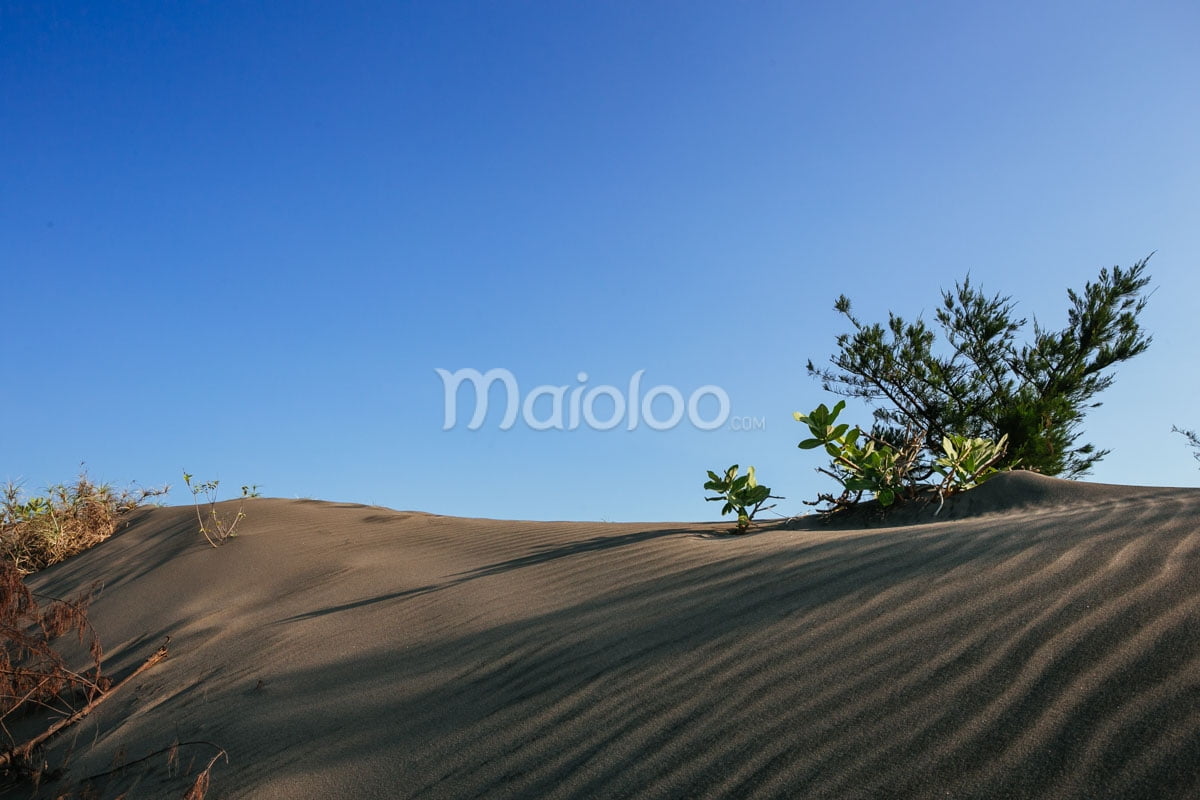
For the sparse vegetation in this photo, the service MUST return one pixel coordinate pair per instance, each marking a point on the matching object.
(217, 529)
(895, 470)
(33, 674)
(743, 495)
(36, 532)
(31, 671)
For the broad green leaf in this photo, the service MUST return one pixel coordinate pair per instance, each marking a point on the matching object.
(757, 495)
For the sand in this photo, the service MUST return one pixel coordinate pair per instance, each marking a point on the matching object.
(1037, 638)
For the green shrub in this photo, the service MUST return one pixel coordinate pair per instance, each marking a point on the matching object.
(743, 495)
(984, 383)
(897, 470)
(966, 462)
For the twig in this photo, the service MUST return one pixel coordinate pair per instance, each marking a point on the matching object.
(220, 751)
(23, 752)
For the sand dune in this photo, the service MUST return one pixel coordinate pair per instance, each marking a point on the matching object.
(1036, 638)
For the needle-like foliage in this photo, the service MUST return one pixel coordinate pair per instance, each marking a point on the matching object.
(984, 383)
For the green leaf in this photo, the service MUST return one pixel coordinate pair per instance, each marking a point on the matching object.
(809, 444)
(757, 495)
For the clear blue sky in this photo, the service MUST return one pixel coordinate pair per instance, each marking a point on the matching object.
(240, 239)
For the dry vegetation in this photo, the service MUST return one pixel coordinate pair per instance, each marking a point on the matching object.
(68, 519)
(35, 533)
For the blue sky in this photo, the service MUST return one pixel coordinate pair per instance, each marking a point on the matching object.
(240, 238)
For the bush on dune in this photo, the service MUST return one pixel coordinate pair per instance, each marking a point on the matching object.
(68, 519)
(947, 418)
(986, 385)
(945, 421)
(894, 471)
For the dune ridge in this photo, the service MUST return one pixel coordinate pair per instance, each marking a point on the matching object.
(1037, 638)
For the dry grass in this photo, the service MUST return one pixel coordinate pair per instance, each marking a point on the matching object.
(36, 532)
(68, 519)
(32, 673)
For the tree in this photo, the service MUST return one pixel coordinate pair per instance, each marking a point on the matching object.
(990, 386)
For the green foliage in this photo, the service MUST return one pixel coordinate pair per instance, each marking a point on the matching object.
(892, 470)
(36, 532)
(989, 386)
(742, 495)
(966, 462)
(217, 529)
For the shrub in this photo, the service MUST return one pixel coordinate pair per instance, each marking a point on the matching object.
(742, 495)
(897, 470)
(988, 386)
(40, 531)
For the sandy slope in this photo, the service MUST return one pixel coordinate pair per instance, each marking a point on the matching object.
(1036, 639)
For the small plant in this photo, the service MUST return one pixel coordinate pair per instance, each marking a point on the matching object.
(893, 470)
(742, 495)
(216, 528)
(69, 518)
(860, 462)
